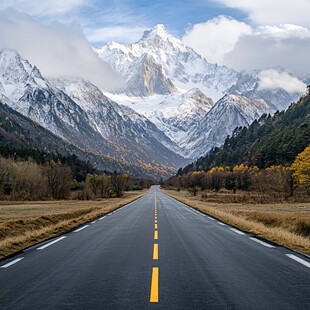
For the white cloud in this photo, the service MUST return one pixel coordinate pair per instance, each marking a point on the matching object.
(56, 50)
(285, 46)
(237, 45)
(215, 38)
(273, 12)
(117, 33)
(45, 7)
(284, 31)
(273, 79)
(102, 21)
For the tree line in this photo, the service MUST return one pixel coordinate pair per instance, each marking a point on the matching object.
(277, 180)
(53, 179)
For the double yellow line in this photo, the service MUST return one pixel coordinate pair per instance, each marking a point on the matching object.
(155, 271)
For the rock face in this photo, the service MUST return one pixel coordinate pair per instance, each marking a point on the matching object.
(149, 78)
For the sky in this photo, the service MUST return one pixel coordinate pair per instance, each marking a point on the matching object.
(242, 34)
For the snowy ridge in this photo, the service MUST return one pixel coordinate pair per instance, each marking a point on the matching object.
(176, 115)
(228, 113)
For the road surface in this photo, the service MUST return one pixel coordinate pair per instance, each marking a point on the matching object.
(155, 253)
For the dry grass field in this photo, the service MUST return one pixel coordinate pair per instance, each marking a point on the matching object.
(23, 224)
(286, 223)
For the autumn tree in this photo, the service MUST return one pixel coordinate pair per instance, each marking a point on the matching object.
(193, 182)
(59, 179)
(278, 179)
(117, 182)
(301, 169)
(215, 178)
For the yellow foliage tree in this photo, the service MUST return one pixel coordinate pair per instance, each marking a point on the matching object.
(216, 169)
(240, 168)
(301, 168)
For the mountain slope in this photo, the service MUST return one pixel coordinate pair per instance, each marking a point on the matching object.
(26, 91)
(176, 115)
(228, 113)
(22, 136)
(137, 139)
(269, 141)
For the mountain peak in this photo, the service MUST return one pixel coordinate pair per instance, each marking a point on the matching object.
(9, 53)
(159, 30)
(9, 57)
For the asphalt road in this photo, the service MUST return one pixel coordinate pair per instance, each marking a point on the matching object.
(155, 253)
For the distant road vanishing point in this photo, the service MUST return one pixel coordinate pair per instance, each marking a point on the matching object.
(155, 253)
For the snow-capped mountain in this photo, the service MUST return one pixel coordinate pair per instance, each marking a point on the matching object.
(165, 114)
(78, 112)
(26, 91)
(228, 113)
(181, 64)
(185, 117)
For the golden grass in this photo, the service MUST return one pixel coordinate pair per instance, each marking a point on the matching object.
(23, 224)
(285, 224)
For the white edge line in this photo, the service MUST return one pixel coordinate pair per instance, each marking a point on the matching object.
(12, 262)
(210, 218)
(93, 222)
(299, 260)
(237, 231)
(220, 223)
(79, 229)
(50, 243)
(102, 218)
(263, 243)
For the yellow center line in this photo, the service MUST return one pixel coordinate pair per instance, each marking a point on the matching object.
(154, 285)
(156, 226)
(155, 234)
(155, 251)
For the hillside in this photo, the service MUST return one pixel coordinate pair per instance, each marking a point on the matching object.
(268, 141)
(22, 138)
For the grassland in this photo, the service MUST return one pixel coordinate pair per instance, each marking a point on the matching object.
(23, 224)
(286, 224)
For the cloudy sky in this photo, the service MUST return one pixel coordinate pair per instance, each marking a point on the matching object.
(243, 34)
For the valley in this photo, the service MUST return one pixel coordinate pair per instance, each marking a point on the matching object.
(174, 108)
